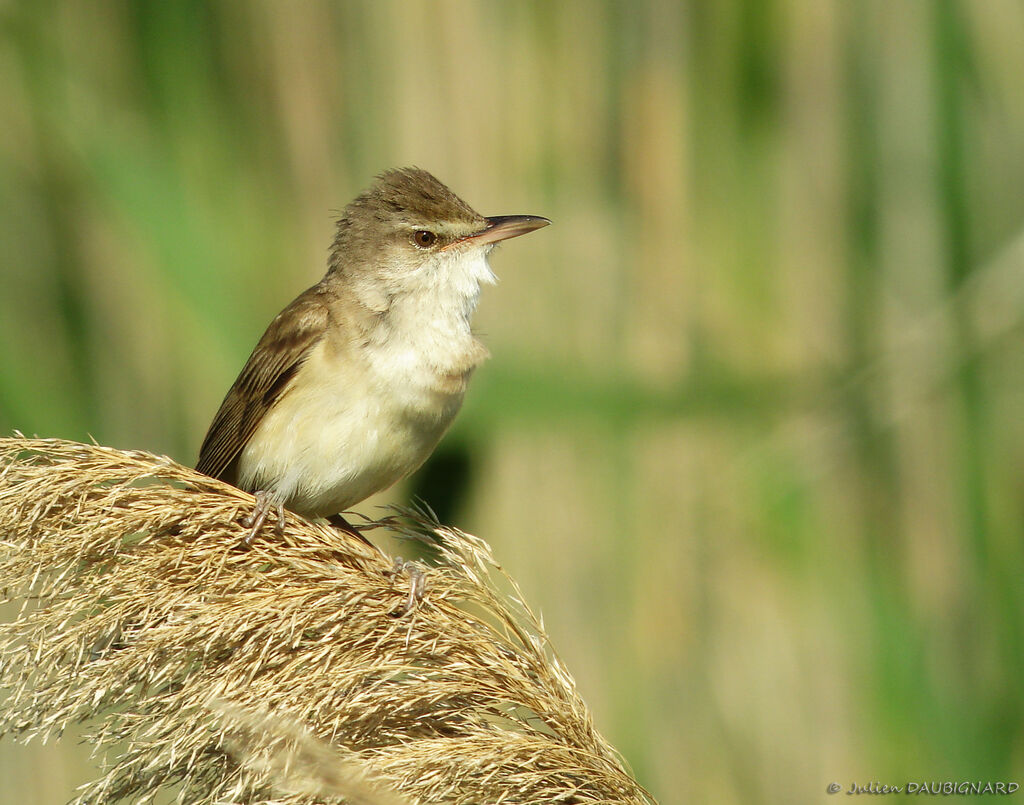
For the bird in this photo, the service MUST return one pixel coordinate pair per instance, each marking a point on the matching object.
(354, 383)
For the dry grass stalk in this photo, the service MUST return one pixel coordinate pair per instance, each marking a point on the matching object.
(275, 672)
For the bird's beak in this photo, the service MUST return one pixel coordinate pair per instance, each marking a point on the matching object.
(503, 227)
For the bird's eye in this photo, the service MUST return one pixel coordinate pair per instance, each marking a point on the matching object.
(424, 238)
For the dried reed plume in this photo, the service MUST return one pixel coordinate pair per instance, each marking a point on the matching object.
(281, 671)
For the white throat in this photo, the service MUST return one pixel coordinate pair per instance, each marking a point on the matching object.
(432, 322)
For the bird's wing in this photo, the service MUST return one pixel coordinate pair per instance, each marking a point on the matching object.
(266, 377)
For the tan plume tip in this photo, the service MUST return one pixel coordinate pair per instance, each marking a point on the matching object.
(276, 670)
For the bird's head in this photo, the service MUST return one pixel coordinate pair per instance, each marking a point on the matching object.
(409, 235)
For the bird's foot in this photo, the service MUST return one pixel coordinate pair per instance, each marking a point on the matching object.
(417, 586)
(258, 516)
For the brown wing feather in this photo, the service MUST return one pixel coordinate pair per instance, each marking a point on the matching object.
(265, 377)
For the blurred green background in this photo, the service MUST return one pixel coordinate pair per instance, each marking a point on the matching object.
(752, 436)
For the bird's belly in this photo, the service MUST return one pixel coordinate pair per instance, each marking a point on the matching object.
(322, 450)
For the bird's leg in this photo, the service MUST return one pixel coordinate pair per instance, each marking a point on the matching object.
(417, 585)
(258, 515)
(255, 520)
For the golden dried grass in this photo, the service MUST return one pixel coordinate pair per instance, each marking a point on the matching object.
(276, 671)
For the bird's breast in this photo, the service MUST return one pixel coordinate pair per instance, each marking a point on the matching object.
(352, 425)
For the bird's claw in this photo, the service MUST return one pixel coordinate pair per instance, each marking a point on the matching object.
(417, 586)
(258, 516)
